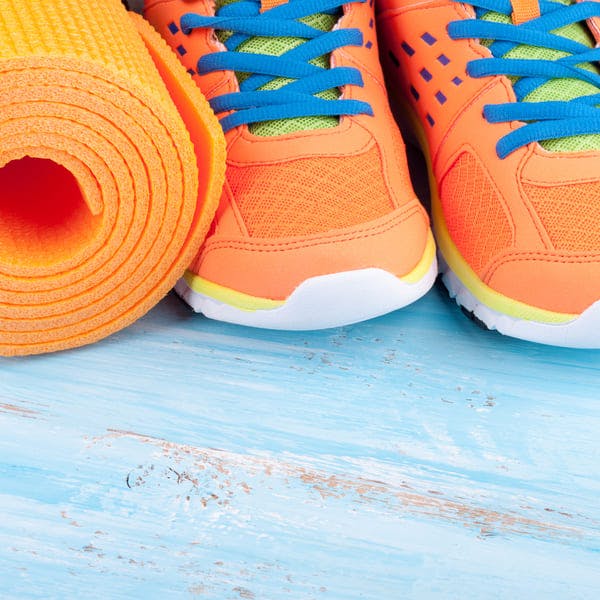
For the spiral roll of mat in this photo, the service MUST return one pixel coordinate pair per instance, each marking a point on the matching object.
(105, 192)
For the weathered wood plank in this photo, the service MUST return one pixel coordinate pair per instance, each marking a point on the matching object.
(412, 456)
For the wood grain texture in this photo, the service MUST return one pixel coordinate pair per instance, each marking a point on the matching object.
(413, 456)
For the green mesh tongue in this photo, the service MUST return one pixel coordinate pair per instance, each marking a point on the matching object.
(276, 46)
(557, 89)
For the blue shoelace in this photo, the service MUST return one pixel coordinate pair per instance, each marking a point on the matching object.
(297, 98)
(543, 120)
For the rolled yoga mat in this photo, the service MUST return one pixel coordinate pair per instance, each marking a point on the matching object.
(105, 193)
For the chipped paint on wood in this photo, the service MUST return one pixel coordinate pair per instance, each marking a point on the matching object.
(23, 412)
(190, 467)
(411, 456)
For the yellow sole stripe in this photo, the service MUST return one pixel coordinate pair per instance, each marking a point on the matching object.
(228, 296)
(424, 264)
(249, 303)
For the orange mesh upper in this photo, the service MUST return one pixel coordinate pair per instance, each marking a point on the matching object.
(475, 217)
(310, 195)
(569, 213)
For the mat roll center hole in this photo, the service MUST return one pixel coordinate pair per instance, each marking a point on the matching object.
(44, 218)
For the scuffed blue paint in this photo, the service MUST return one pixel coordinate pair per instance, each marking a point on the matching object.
(414, 456)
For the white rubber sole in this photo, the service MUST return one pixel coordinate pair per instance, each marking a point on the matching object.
(322, 302)
(582, 332)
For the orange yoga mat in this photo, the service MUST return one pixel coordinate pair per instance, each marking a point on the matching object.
(111, 167)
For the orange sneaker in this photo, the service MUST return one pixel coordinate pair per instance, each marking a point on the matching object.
(318, 225)
(505, 98)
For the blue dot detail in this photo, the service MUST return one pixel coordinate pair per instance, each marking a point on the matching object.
(369, 45)
(425, 74)
(191, 72)
(443, 59)
(428, 39)
(182, 51)
(394, 58)
(440, 97)
(457, 81)
(414, 93)
(430, 119)
(407, 49)
(173, 28)
(371, 23)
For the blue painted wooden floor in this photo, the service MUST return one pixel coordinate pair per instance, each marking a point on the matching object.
(414, 456)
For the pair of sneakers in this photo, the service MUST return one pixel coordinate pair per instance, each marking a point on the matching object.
(319, 226)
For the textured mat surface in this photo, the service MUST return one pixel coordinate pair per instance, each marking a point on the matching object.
(100, 206)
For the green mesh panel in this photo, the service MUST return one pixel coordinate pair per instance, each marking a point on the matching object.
(557, 89)
(276, 47)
